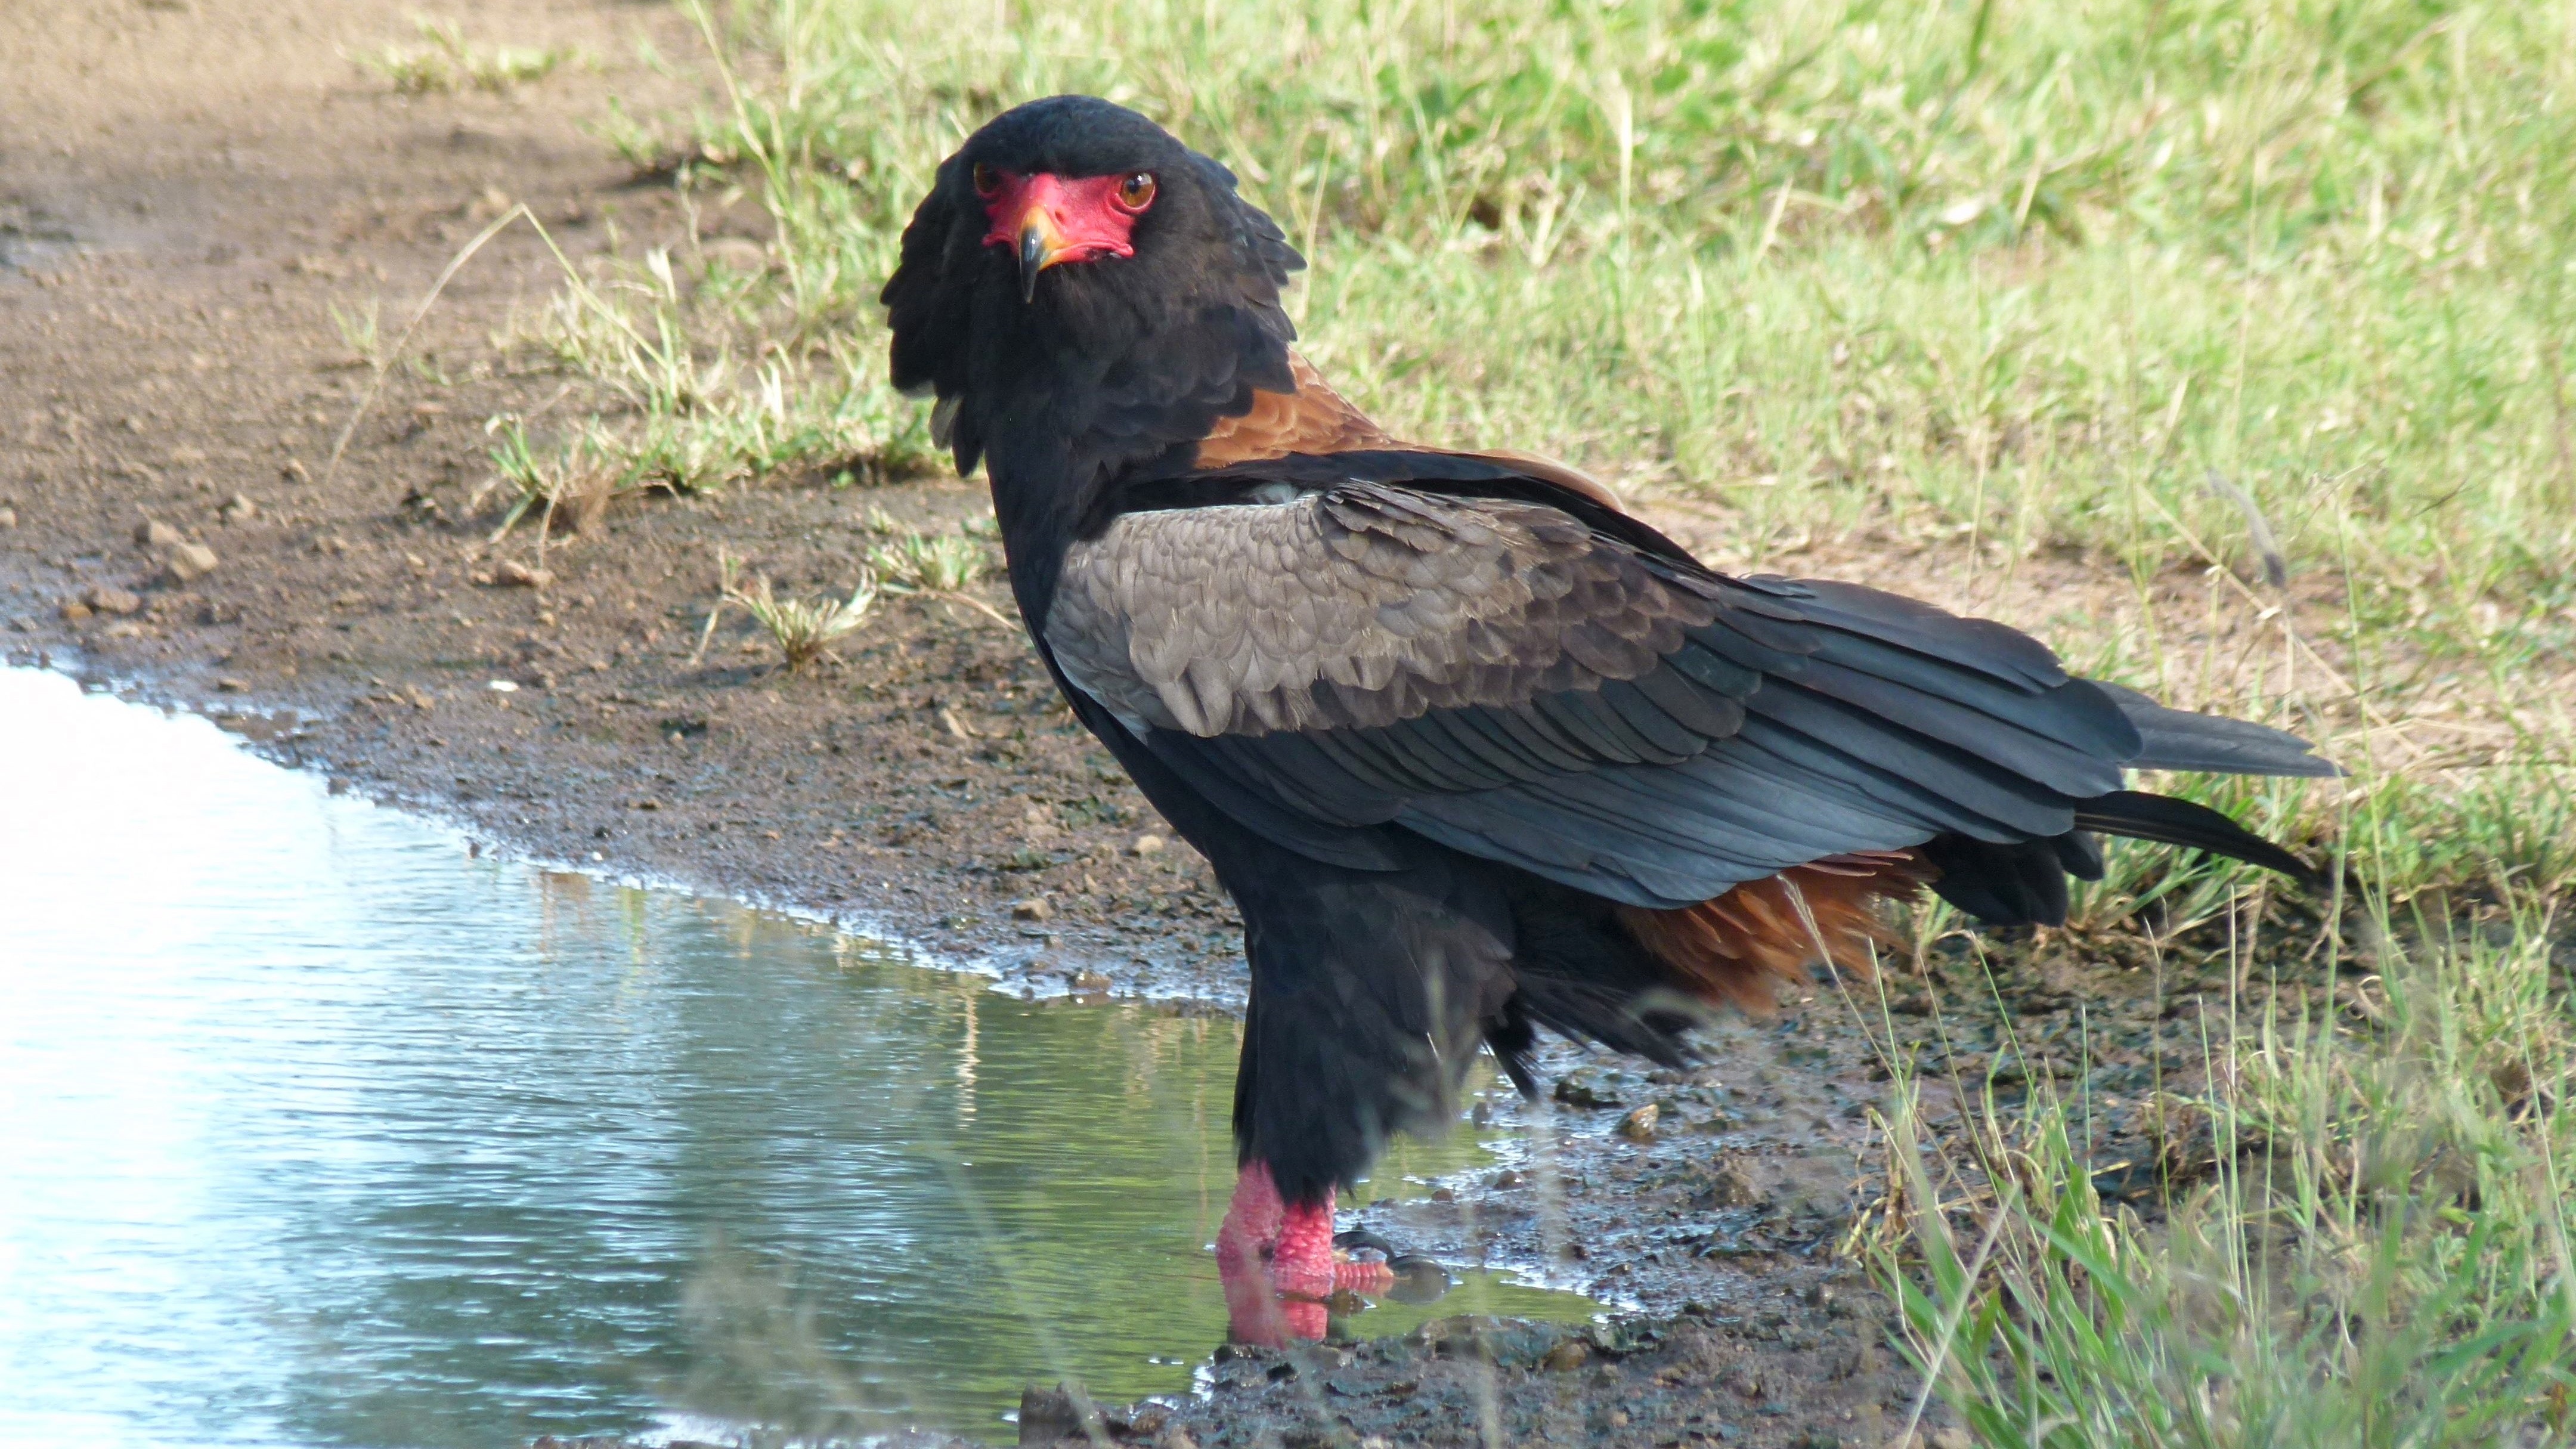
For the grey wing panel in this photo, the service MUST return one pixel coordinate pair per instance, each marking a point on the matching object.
(1354, 608)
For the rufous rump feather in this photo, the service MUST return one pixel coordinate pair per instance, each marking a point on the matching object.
(1736, 948)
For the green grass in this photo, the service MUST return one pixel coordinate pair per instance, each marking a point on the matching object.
(929, 563)
(2036, 268)
(448, 63)
(2227, 339)
(803, 629)
(696, 391)
(2379, 1256)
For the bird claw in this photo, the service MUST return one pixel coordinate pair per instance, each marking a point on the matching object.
(1368, 1276)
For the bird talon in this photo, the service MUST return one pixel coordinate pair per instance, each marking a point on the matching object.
(1368, 1276)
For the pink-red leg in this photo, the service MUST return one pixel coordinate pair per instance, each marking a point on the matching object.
(1278, 1265)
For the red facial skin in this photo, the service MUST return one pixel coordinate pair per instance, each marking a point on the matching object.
(1081, 219)
(1278, 1264)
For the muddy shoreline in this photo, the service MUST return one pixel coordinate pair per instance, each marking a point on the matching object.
(174, 373)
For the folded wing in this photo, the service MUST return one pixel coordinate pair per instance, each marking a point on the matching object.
(1519, 682)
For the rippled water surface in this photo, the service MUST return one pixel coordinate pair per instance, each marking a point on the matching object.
(317, 1130)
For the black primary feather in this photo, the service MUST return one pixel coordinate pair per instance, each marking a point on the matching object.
(2170, 821)
(2173, 739)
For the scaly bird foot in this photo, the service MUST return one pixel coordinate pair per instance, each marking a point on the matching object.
(1280, 1265)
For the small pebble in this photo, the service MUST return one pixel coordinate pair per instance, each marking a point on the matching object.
(8, 518)
(107, 599)
(152, 533)
(190, 562)
(1034, 908)
(1639, 1125)
(1147, 845)
(511, 573)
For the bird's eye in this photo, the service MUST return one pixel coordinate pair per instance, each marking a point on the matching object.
(1137, 191)
(987, 179)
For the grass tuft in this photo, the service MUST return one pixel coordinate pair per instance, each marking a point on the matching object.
(929, 563)
(803, 629)
(2378, 1255)
(697, 396)
(447, 63)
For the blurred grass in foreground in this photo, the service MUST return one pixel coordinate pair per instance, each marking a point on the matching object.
(2375, 1252)
(2259, 307)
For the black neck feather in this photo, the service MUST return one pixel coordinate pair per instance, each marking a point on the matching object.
(1059, 426)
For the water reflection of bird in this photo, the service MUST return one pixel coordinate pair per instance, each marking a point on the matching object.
(1475, 751)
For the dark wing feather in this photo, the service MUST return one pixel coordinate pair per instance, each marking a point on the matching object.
(1526, 683)
(2142, 816)
(2173, 739)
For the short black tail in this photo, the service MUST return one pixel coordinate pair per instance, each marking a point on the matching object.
(2023, 882)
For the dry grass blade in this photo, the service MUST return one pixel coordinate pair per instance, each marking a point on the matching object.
(376, 381)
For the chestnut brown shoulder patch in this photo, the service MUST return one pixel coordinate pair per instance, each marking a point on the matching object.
(1313, 419)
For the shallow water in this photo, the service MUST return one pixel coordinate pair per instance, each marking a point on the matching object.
(318, 1130)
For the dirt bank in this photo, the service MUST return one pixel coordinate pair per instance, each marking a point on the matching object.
(190, 197)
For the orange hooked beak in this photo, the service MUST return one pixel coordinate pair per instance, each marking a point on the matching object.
(1042, 244)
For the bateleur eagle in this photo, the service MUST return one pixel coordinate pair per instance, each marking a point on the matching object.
(1475, 751)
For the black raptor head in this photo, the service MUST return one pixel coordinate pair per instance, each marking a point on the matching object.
(1084, 293)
